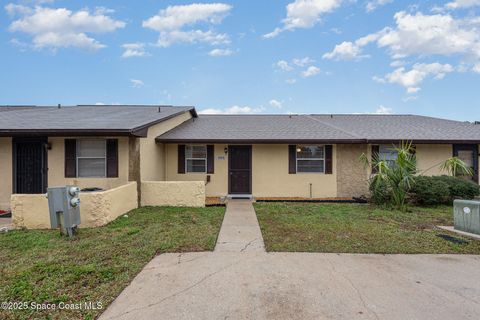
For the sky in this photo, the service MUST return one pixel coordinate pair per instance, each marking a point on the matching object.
(268, 56)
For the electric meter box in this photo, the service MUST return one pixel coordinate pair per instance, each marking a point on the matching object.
(466, 216)
(64, 207)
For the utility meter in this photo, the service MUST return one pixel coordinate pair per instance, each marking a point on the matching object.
(64, 206)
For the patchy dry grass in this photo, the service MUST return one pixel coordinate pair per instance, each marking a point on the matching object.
(357, 228)
(42, 267)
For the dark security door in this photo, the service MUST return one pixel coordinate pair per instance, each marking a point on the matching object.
(240, 169)
(30, 165)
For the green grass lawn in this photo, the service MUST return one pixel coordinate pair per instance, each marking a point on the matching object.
(41, 266)
(356, 228)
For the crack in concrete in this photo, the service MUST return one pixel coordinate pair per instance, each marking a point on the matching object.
(359, 294)
(248, 244)
(425, 282)
(179, 261)
(179, 292)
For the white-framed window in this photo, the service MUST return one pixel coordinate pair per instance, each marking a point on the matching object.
(196, 158)
(91, 158)
(388, 154)
(311, 159)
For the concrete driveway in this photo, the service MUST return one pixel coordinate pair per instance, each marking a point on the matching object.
(256, 285)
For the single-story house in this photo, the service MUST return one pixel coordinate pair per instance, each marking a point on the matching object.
(301, 156)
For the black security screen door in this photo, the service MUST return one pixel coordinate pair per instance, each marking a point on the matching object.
(30, 165)
(240, 169)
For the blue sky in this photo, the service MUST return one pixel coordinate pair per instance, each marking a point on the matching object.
(269, 56)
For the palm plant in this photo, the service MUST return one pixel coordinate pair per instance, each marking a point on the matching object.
(455, 167)
(393, 179)
(397, 176)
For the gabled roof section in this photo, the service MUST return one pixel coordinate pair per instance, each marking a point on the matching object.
(86, 119)
(320, 128)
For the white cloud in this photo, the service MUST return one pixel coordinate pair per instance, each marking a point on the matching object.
(424, 35)
(17, 9)
(384, 110)
(61, 28)
(284, 65)
(458, 4)
(350, 50)
(136, 83)
(310, 72)
(374, 4)
(412, 90)
(275, 103)
(411, 79)
(172, 21)
(344, 51)
(302, 62)
(304, 14)
(233, 110)
(420, 35)
(220, 52)
(397, 63)
(134, 50)
(291, 81)
(476, 68)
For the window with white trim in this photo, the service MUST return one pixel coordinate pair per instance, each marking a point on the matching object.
(311, 159)
(196, 158)
(388, 154)
(91, 158)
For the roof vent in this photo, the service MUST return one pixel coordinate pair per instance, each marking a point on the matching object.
(59, 106)
(159, 109)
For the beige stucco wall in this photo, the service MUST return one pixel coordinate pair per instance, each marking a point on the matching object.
(5, 172)
(152, 155)
(56, 166)
(351, 172)
(270, 177)
(173, 193)
(218, 185)
(96, 209)
(431, 156)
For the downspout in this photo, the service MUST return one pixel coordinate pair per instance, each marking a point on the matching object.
(165, 162)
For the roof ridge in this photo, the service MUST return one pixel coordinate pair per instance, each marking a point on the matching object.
(333, 126)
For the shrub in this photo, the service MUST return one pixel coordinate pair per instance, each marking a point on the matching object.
(442, 190)
(461, 188)
(430, 191)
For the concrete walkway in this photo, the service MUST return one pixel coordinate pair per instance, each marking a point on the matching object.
(256, 285)
(240, 231)
(241, 281)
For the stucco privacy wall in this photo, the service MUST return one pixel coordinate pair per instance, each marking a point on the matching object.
(351, 173)
(270, 177)
(173, 193)
(56, 165)
(97, 208)
(152, 158)
(5, 172)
